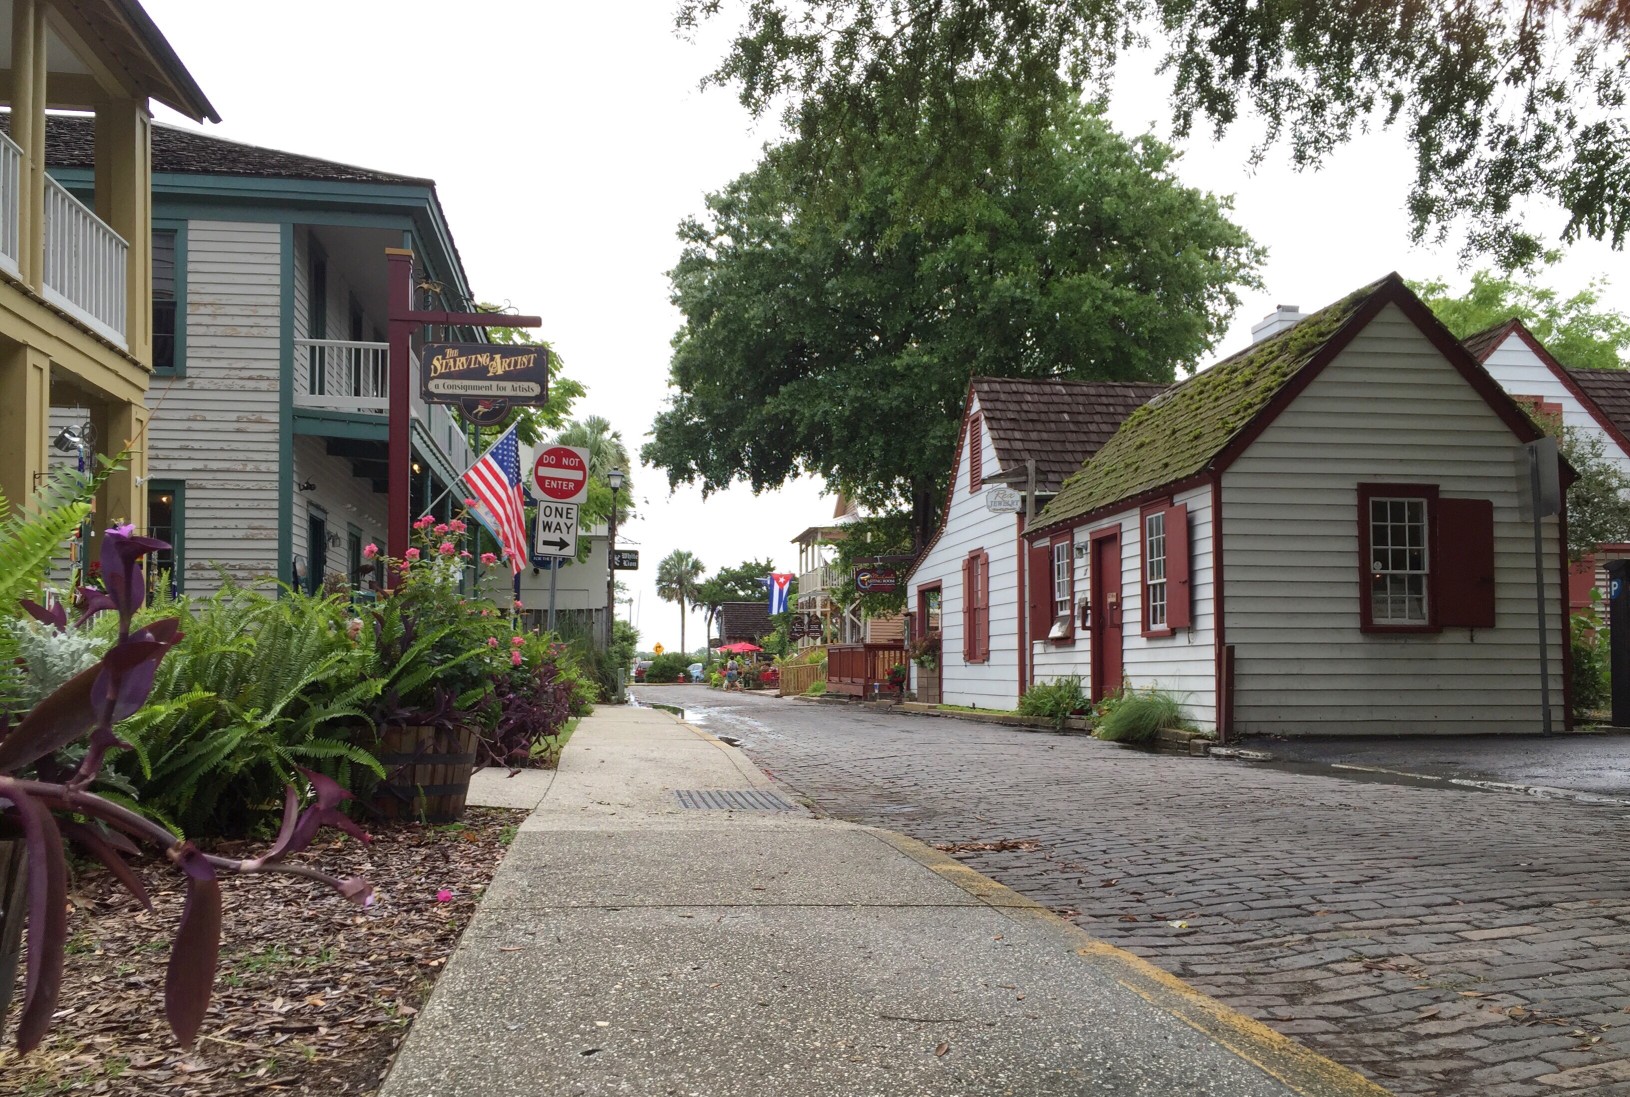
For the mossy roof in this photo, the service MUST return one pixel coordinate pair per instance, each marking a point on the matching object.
(1176, 435)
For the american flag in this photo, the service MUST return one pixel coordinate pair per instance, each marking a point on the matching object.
(495, 481)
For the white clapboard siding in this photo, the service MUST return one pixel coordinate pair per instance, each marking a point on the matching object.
(349, 502)
(1183, 665)
(216, 429)
(969, 527)
(1388, 409)
(1521, 373)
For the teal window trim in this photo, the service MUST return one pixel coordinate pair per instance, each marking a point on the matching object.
(177, 490)
(179, 369)
(353, 556)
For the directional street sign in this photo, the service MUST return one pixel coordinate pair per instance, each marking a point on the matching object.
(556, 530)
(562, 474)
(625, 560)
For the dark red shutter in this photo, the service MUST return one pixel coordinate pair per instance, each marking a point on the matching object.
(1581, 581)
(1179, 596)
(984, 606)
(1463, 569)
(976, 451)
(967, 611)
(1041, 590)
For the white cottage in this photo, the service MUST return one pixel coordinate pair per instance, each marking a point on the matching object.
(1319, 535)
(1006, 423)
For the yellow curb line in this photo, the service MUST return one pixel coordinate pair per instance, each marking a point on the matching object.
(1297, 1066)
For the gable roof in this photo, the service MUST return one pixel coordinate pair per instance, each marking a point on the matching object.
(744, 621)
(1199, 425)
(1602, 393)
(145, 54)
(70, 142)
(1057, 423)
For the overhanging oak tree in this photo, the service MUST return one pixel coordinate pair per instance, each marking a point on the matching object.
(840, 341)
(1501, 101)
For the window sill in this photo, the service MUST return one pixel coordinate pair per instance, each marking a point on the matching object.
(1159, 633)
(1397, 630)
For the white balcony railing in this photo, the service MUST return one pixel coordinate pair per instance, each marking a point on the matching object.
(11, 189)
(342, 375)
(815, 580)
(84, 264)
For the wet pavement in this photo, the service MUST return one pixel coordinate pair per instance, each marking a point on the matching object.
(1443, 939)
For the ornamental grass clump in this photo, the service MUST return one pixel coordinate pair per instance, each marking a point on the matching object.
(1137, 716)
(53, 789)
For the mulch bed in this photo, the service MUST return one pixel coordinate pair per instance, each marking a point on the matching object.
(313, 995)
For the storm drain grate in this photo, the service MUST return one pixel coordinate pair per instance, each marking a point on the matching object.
(709, 799)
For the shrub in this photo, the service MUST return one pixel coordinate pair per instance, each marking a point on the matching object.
(1057, 700)
(1592, 684)
(1137, 716)
(816, 689)
(667, 667)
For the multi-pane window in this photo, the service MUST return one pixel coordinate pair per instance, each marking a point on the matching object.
(164, 524)
(1154, 568)
(1399, 557)
(1061, 579)
(164, 299)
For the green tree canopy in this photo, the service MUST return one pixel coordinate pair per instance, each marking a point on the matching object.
(737, 584)
(1578, 331)
(841, 344)
(1500, 101)
(678, 576)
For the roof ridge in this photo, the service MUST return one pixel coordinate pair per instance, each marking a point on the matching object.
(216, 139)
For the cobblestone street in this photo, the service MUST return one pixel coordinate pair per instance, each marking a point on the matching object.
(1441, 941)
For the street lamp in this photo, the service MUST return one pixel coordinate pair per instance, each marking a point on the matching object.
(614, 477)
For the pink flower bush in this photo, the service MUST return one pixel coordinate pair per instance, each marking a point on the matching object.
(492, 641)
(488, 558)
(517, 641)
(447, 548)
(411, 554)
(515, 658)
(369, 551)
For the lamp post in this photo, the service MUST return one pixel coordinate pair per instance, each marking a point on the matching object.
(614, 477)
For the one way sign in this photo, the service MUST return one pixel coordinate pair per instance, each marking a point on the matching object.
(556, 530)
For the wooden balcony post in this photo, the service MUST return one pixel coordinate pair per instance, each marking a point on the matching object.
(28, 68)
(25, 419)
(124, 200)
(123, 498)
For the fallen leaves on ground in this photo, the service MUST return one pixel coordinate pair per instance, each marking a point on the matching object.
(313, 995)
(1004, 845)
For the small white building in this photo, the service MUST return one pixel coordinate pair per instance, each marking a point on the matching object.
(965, 586)
(1319, 535)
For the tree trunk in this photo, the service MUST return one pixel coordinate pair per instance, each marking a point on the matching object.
(682, 648)
(923, 514)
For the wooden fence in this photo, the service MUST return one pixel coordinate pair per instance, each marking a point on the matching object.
(862, 670)
(797, 679)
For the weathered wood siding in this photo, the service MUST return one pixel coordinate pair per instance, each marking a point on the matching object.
(968, 528)
(217, 428)
(1521, 373)
(1184, 664)
(1389, 409)
(349, 503)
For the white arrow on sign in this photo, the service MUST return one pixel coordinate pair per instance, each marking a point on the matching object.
(557, 529)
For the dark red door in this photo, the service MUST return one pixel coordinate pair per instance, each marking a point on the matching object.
(1105, 627)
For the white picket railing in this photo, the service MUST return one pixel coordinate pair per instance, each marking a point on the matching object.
(342, 375)
(84, 264)
(11, 191)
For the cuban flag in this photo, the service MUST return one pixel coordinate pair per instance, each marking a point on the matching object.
(780, 586)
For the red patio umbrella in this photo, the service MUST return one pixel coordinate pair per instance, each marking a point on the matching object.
(740, 647)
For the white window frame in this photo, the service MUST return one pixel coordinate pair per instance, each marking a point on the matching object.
(1404, 569)
(1154, 568)
(1062, 563)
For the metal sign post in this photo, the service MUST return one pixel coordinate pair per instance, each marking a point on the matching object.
(1618, 631)
(1544, 499)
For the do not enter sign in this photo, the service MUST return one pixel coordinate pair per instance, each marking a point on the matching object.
(562, 474)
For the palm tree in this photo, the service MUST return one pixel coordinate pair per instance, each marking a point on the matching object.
(606, 452)
(678, 576)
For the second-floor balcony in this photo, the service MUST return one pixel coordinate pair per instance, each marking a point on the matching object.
(85, 264)
(815, 581)
(353, 377)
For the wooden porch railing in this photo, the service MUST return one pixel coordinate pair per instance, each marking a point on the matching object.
(797, 679)
(862, 670)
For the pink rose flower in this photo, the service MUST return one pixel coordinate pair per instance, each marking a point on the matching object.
(516, 641)
(471, 503)
(441, 529)
(447, 548)
(456, 526)
(515, 658)
(464, 556)
(519, 604)
(412, 554)
(369, 551)
(444, 896)
(488, 558)
(492, 641)
(424, 522)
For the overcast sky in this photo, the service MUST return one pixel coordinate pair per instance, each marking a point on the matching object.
(568, 139)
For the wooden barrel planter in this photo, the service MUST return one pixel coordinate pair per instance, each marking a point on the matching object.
(427, 773)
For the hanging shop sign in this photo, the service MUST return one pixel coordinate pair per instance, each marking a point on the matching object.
(625, 560)
(485, 380)
(876, 579)
(804, 626)
(1001, 500)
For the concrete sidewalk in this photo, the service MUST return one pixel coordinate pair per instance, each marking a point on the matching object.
(631, 945)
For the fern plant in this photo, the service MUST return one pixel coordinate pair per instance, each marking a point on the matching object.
(31, 540)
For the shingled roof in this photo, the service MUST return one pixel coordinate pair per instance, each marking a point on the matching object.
(1176, 435)
(1487, 341)
(748, 621)
(1609, 390)
(1057, 423)
(70, 142)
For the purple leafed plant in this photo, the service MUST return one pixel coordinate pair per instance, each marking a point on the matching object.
(37, 786)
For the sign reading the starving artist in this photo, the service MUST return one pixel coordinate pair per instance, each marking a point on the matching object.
(484, 373)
